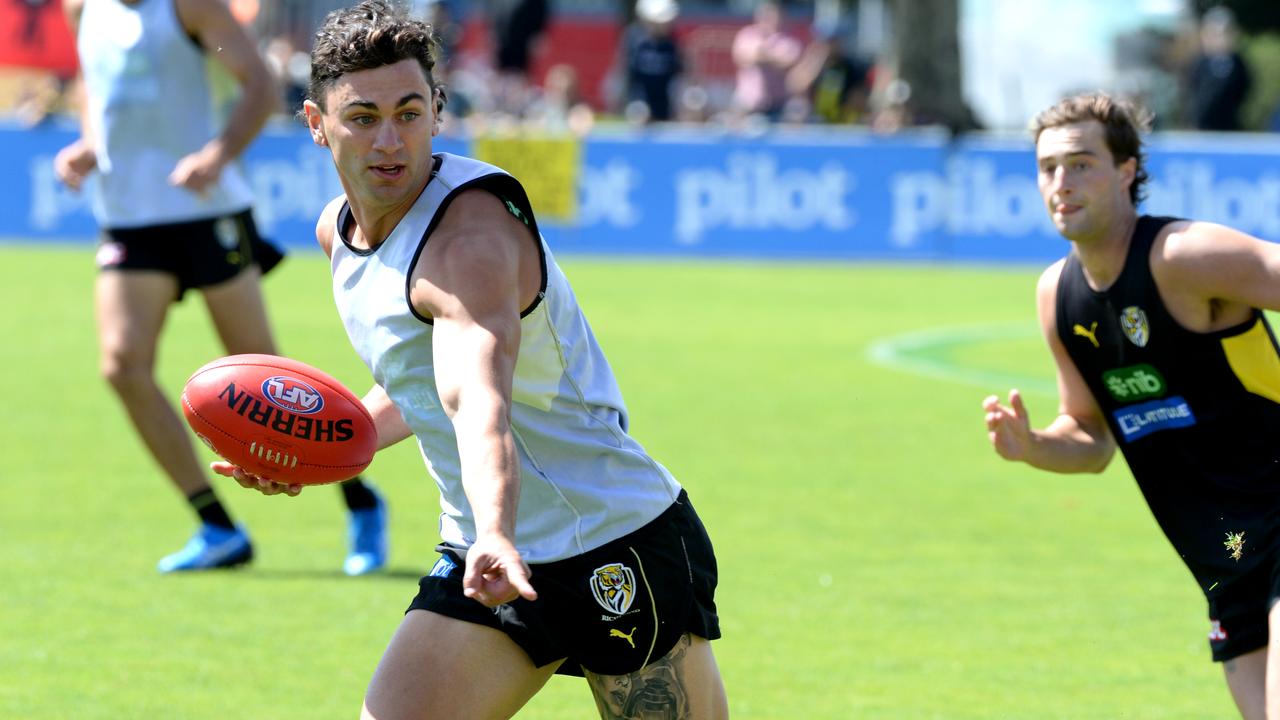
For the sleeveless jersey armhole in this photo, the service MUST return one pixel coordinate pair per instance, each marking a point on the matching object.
(512, 195)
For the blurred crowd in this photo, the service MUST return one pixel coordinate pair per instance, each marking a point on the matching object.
(660, 67)
(655, 66)
(506, 68)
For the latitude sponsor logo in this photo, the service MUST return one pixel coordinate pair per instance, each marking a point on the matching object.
(1137, 382)
(1137, 421)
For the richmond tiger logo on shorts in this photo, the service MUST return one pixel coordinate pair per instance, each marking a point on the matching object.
(227, 230)
(614, 587)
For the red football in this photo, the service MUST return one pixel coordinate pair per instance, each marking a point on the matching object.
(280, 419)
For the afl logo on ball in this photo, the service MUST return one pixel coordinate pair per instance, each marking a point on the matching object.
(292, 394)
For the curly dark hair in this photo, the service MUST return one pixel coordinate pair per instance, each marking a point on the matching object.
(1123, 123)
(370, 35)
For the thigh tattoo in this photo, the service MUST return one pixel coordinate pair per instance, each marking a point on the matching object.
(655, 691)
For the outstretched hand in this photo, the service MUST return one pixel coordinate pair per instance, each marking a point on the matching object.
(253, 482)
(1008, 426)
(496, 574)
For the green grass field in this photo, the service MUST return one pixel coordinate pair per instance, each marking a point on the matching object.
(877, 559)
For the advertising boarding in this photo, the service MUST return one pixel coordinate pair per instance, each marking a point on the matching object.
(780, 195)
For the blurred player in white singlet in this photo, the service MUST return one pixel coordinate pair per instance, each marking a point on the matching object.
(173, 206)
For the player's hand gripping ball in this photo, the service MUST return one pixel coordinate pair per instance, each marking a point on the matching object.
(280, 419)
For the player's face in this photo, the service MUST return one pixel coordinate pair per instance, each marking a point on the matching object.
(1083, 189)
(378, 124)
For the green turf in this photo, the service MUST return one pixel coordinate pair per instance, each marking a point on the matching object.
(877, 560)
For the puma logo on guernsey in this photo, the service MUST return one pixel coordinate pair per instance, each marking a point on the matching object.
(1090, 333)
(615, 632)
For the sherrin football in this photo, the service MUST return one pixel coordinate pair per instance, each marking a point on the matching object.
(280, 419)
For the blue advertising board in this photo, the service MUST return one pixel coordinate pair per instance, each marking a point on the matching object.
(803, 194)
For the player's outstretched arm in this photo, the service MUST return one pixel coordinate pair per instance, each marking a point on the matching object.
(386, 417)
(1078, 439)
(469, 280)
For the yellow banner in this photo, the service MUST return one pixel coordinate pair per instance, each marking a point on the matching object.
(547, 167)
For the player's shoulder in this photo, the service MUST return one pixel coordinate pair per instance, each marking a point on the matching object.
(480, 210)
(478, 233)
(327, 224)
(1190, 236)
(1191, 246)
(1047, 291)
(1048, 282)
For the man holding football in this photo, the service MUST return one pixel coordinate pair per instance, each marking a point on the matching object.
(567, 548)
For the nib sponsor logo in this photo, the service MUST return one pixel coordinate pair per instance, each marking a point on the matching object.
(1138, 382)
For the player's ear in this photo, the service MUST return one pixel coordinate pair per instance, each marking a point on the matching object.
(437, 110)
(1128, 171)
(315, 122)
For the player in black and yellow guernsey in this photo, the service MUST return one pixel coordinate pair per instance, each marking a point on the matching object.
(1162, 349)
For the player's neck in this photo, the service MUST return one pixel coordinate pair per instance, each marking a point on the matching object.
(374, 221)
(1103, 257)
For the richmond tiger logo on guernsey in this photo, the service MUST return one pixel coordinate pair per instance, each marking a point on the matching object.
(1134, 323)
(614, 587)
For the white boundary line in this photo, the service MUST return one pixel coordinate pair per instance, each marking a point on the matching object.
(905, 353)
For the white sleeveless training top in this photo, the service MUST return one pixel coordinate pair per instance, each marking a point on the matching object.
(149, 104)
(584, 481)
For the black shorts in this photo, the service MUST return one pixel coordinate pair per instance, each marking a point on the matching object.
(1238, 611)
(199, 253)
(612, 610)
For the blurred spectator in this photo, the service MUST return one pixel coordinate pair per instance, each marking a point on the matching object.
(1219, 77)
(652, 60)
(41, 98)
(694, 104)
(516, 24)
(833, 82)
(443, 19)
(559, 109)
(292, 70)
(442, 16)
(764, 54)
(894, 113)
